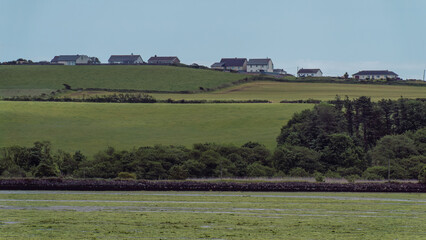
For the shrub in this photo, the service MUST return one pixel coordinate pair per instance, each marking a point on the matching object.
(422, 175)
(298, 172)
(352, 178)
(319, 177)
(258, 170)
(349, 171)
(126, 175)
(178, 172)
(331, 174)
(46, 170)
(371, 176)
(375, 173)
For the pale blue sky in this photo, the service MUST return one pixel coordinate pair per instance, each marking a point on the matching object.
(335, 35)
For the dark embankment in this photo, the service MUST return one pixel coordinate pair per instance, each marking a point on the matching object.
(133, 185)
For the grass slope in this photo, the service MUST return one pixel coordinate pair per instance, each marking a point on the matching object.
(160, 78)
(277, 91)
(91, 127)
(205, 215)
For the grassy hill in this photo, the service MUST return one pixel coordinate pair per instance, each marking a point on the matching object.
(145, 77)
(91, 127)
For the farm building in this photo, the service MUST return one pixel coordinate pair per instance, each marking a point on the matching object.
(375, 74)
(280, 71)
(235, 64)
(70, 59)
(163, 60)
(260, 65)
(218, 66)
(305, 72)
(125, 59)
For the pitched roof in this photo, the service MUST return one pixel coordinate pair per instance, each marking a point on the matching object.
(306, 70)
(217, 64)
(66, 58)
(123, 58)
(233, 62)
(259, 61)
(156, 58)
(375, 72)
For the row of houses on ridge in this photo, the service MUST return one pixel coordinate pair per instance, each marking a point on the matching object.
(254, 65)
(114, 59)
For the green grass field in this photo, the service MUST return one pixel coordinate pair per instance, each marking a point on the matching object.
(91, 127)
(277, 91)
(211, 215)
(164, 78)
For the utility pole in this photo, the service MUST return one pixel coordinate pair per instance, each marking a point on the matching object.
(424, 71)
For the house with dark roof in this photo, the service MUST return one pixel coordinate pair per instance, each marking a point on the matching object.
(125, 59)
(234, 64)
(163, 60)
(375, 74)
(70, 59)
(305, 72)
(218, 66)
(260, 65)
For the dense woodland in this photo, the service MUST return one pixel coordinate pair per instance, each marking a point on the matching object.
(349, 138)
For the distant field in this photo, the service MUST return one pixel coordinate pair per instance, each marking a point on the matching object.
(210, 215)
(277, 91)
(163, 78)
(92, 127)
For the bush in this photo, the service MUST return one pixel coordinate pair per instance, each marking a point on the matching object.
(46, 170)
(298, 172)
(319, 177)
(375, 173)
(422, 175)
(331, 174)
(126, 175)
(352, 178)
(258, 170)
(178, 172)
(349, 171)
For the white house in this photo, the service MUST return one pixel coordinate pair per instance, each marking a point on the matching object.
(125, 59)
(70, 59)
(304, 72)
(234, 64)
(260, 65)
(375, 74)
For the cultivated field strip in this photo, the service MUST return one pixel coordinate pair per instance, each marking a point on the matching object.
(207, 215)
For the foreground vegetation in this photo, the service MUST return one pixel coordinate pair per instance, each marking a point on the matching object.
(145, 77)
(90, 127)
(351, 138)
(189, 215)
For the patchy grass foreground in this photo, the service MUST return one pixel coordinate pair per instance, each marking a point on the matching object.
(210, 215)
(91, 127)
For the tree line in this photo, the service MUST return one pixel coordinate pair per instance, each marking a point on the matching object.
(349, 138)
